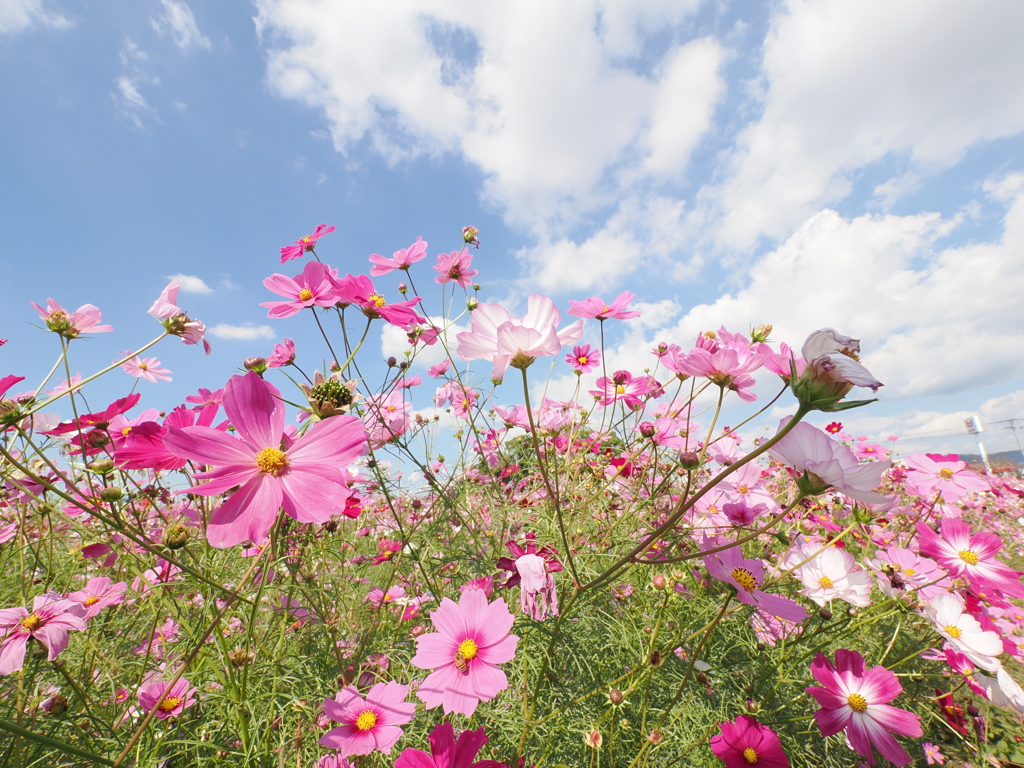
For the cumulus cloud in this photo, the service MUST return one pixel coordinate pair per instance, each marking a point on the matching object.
(191, 283)
(19, 15)
(177, 19)
(242, 332)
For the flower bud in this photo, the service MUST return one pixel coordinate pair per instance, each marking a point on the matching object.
(418, 630)
(239, 658)
(257, 364)
(594, 739)
(101, 466)
(825, 614)
(392, 361)
(659, 581)
(469, 236)
(655, 737)
(472, 304)
(760, 334)
(689, 460)
(476, 286)
(615, 696)
(111, 493)
(175, 536)
(655, 659)
(751, 706)
(647, 429)
(403, 288)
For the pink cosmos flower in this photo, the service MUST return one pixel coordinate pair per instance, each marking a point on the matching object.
(932, 754)
(828, 464)
(595, 307)
(313, 287)
(99, 593)
(179, 698)
(746, 742)
(50, 621)
(177, 323)
(147, 368)
(305, 477)
(833, 369)
(932, 473)
(868, 451)
(439, 370)
(900, 570)
(358, 289)
(970, 557)
(472, 639)
(621, 386)
(387, 417)
(367, 724)
(728, 366)
(832, 575)
(504, 340)
(72, 324)
(307, 243)
(665, 432)
(730, 567)
(855, 700)
(963, 632)
(454, 268)
(447, 752)
(583, 359)
(403, 258)
(284, 354)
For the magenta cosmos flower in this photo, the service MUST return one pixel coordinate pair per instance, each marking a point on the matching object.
(307, 243)
(583, 359)
(179, 698)
(370, 723)
(855, 699)
(970, 557)
(447, 752)
(504, 340)
(313, 287)
(471, 640)
(72, 324)
(306, 477)
(746, 742)
(595, 307)
(50, 621)
(403, 258)
(358, 289)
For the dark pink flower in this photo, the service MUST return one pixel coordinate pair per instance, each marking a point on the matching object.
(454, 268)
(306, 477)
(747, 576)
(970, 557)
(746, 742)
(447, 752)
(583, 359)
(856, 700)
(179, 698)
(595, 307)
(621, 386)
(307, 243)
(403, 258)
(472, 639)
(358, 289)
(284, 354)
(51, 619)
(367, 724)
(313, 287)
(71, 324)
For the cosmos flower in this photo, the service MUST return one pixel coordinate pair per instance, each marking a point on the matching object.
(304, 244)
(147, 368)
(448, 752)
(472, 639)
(71, 325)
(970, 557)
(583, 359)
(51, 619)
(367, 724)
(595, 307)
(856, 700)
(178, 698)
(746, 742)
(313, 287)
(932, 473)
(403, 258)
(454, 268)
(99, 593)
(730, 567)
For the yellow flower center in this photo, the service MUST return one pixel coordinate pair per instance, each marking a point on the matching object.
(32, 622)
(968, 556)
(857, 702)
(953, 632)
(582, 359)
(144, 366)
(306, 239)
(909, 571)
(126, 431)
(745, 579)
(366, 720)
(377, 300)
(271, 461)
(946, 473)
(743, 489)
(750, 756)
(468, 649)
(825, 582)
(620, 390)
(91, 600)
(305, 294)
(169, 704)
(606, 309)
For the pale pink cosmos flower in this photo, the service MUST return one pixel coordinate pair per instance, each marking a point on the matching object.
(51, 619)
(537, 594)
(828, 464)
(932, 473)
(454, 268)
(403, 258)
(176, 321)
(747, 576)
(99, 593)
(147, 368)
(595, 307)
(472, 639)
(313, 287)
(831, 575)
(305, 477)
(856, 700)
(963, 632)
(367, 724)
(583, 359)
(664, 431)
(387, 417)
(302, 245)
(504, 340)
(833, 369)
(72, 324)
(283, 354)
(179, 697)
(439, 370)
(901, 570)
(728, 366)
(447, 752)
(933, 754)
(970, 557)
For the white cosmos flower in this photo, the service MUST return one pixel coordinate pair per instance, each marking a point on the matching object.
(963, 631)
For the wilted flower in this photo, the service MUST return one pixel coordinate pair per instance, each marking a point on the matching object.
(833, 369)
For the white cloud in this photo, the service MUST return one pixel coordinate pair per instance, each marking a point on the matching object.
(849, 84)
(129, 99)
(19, 15)
(242, 332)
(177, 19)
(191, 283)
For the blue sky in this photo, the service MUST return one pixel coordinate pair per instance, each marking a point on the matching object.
(807, 164)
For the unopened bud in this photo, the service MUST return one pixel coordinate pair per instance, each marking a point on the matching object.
(392, 361)
(655, 659)
(472, 304)
(689, 460)
(615, 696)
(418, 630)
(101, 466)
(238, 658)
(335, 367)
(751, 706)
(761, 333)
(111, 493)
(655, 737)
(647, 429)
(175, 536)
(659, 581)
(256, 364)
(403, 288)
(825, 614)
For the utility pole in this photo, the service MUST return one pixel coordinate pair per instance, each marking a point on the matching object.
(973, 425)
(1021, 450)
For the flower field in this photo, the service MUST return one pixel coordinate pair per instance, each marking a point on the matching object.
(329, 562)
